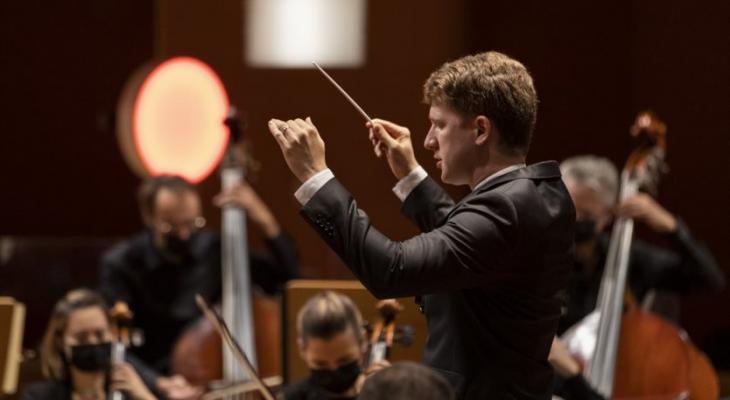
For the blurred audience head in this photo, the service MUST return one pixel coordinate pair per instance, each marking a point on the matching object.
(406, 381)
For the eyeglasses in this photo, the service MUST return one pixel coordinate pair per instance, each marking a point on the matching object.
(190, 226)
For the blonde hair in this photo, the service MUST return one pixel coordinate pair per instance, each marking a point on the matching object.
(326, 314)
(53, 362)
(490, 84)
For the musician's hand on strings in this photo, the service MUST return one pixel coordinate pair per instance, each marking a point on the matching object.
(395, 143)
(301, 145)
(176, 387)
(242, 195)
(644, 208)
(124, 378)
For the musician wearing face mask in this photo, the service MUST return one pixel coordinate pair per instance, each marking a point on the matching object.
(159, 271)
(686, 267)
(76, 355)
(332, 343)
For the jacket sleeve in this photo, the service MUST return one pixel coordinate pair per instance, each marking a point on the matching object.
(113, 284)
(690, 268)
(459, 254)
(427, 205)
(148, 375)
(272, 270)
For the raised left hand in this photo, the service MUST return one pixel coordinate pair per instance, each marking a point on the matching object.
(644, 208)
(301, 145)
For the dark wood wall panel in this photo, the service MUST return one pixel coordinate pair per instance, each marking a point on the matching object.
(595, 65)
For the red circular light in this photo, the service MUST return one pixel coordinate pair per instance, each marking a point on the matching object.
(177, 119)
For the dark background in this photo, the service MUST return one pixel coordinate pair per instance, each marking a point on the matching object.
(595, 64)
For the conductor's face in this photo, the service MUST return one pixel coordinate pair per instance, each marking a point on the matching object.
(452, 142)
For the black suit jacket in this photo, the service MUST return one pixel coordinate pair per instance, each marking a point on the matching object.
(491, 271)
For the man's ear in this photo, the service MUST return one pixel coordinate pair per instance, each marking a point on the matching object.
(484, 129)
(300, 345)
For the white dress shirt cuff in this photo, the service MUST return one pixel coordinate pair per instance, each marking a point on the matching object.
(312, 185)
(405, 186)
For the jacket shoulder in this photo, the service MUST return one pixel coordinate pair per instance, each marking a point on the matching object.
(125, 251)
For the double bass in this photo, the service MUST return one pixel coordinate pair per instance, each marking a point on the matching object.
(628, 352)
(199, 354)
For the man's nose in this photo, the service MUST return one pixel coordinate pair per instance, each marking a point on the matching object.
(430, 142)
(184, 233)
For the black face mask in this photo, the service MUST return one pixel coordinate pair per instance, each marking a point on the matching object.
(92, 357)
(177, 246)
(585, 230)
(338, 380)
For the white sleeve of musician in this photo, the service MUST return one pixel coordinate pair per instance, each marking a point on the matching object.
(312, 185)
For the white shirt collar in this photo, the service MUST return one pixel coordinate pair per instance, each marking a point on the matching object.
(499, 173)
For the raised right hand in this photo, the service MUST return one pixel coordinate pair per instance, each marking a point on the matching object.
(395, 142)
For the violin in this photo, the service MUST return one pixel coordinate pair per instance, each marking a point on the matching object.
(384, 332)
(121, 318)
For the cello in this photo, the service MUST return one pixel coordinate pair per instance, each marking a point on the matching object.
(628, 352)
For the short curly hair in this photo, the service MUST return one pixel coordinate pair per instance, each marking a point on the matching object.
(490, 84)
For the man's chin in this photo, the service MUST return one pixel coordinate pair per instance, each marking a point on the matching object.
(445, 178)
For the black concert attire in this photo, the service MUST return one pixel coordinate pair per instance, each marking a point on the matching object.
(306, 390)
(161, 293)
(490, 271)
(47, 390)
(62, 390)
(688, 267)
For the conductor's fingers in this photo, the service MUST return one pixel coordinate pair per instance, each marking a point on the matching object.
(394, 130)
(275, 127)
(380, 133)
(302, 125)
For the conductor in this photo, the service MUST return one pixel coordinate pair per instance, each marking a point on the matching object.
(489, 271)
